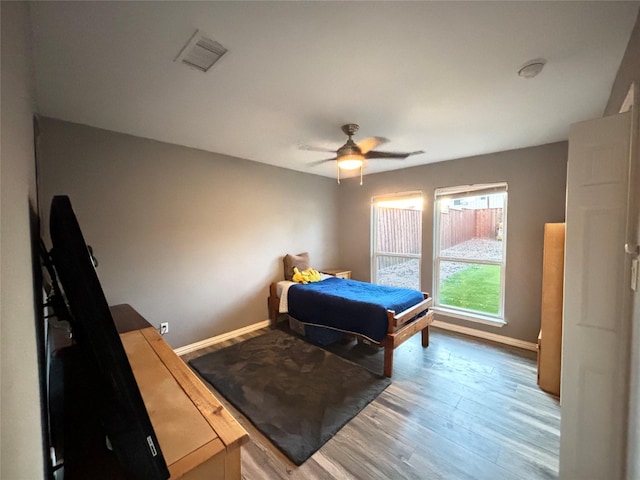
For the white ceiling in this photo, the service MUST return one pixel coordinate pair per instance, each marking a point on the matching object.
(433, 76)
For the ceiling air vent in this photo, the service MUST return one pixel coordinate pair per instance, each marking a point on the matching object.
(201, 52)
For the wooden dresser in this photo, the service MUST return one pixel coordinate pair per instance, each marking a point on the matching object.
(199, 438)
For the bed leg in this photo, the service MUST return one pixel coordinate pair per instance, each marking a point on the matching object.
(388, 360)
(273, 312)
(425, 336)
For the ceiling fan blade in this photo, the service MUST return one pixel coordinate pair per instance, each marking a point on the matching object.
(397, 155)
(367, 144)
(311, 148)
(319, 162)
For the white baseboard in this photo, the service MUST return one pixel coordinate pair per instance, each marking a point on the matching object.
(220, 338)
(514, 342)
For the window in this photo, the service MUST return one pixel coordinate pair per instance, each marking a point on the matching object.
(470, 251)
(397, 240)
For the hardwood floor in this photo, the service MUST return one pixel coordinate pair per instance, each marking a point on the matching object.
(459, 409)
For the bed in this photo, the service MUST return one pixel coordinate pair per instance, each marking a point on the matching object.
(385, 316)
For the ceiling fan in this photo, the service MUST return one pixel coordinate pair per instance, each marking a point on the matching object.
(352, 155)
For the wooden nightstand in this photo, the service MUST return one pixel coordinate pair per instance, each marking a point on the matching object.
(337, 272)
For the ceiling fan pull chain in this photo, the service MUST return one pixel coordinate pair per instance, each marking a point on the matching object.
(338, 173)
(361, 174)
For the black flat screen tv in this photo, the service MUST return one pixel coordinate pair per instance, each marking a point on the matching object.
(122, 412)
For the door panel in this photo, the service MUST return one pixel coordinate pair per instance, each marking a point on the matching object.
(599, 265)
(596, 318)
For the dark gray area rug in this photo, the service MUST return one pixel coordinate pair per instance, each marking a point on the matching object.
(298, 395)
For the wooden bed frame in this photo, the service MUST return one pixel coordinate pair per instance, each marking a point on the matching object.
(401, 327)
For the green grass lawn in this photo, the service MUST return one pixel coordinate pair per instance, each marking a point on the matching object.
(475, 288)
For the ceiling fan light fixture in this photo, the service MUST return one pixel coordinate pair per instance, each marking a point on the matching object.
(351, 155)
(351, 161)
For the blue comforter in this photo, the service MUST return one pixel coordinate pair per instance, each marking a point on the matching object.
(349, 305)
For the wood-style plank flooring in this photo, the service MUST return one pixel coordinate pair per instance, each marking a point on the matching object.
(459, 409)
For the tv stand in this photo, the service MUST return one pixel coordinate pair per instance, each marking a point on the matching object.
(199, 438)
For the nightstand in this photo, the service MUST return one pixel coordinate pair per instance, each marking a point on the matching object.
(337, 272)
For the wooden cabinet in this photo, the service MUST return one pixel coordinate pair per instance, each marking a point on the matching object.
(550, 338)
(198, 436)
(337, 272)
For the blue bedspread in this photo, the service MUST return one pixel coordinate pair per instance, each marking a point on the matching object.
(350, 305)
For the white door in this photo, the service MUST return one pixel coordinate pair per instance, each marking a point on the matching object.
(596, 322)
(633, 446)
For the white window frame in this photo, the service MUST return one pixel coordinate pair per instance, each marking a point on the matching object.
(378, 201)
(499, 319)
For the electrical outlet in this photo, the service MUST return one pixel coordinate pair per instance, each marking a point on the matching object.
(164, 328)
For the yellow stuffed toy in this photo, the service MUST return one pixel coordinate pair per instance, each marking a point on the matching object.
(306, 276)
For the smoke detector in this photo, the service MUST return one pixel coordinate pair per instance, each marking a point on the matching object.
(200, 52)
(532, 68)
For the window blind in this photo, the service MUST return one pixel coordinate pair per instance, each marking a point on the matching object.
(397, 197)
(470, 190)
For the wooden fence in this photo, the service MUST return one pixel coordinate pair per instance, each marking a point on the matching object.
(457, 226)
(398, 230)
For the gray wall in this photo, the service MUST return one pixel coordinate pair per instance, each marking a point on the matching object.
(537, 182)
(628, 72)
(20, 427)
(185, 236)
